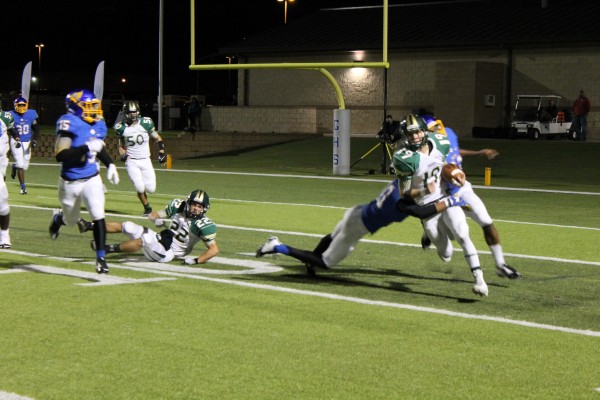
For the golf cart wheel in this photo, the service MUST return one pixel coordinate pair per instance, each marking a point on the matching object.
(533, 134)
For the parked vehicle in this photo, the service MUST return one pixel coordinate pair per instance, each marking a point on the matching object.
(540, 115)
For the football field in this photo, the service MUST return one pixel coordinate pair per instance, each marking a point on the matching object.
(392, 321)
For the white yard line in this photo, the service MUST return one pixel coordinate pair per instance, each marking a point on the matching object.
(12, 396)
(341, 178)
(160, 269)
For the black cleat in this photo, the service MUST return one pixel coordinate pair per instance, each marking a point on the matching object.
(55, 225)
(84, 225)
(310, 269)
(101, 266)
(425, 242)
(506, 271)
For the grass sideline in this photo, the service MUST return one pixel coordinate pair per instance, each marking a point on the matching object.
(391, 321)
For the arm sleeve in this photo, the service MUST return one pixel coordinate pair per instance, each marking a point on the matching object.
(74, 154)
(14, 133)
(104, 157)
(64, 153)
(421, 212)
(36, 130)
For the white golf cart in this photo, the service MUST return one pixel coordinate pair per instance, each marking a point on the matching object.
(540, 115)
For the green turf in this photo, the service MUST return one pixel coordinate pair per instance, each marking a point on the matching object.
(275, 335)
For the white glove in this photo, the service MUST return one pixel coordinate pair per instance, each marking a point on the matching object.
(112, 175)
(159, 222)
(190, 261)
(95, 145)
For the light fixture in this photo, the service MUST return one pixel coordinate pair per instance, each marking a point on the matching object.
(285, 3)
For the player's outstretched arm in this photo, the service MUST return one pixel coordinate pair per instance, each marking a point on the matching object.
(426, 210)
(211, 251)
(489, 153)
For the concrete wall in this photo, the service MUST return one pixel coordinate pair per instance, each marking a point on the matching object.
(186, 145)
(260, 119)
(450, 83)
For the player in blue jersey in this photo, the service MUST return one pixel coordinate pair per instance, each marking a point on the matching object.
(80, 137)
(29, 132)
(357, 222)
(475, 209)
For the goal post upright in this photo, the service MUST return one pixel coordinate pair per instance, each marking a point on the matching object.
(341, 116)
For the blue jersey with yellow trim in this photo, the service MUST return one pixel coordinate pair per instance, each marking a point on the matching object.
(453, 156)
(23, 123)
(80, 132)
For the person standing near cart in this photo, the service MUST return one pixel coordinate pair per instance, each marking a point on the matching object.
(581, 108)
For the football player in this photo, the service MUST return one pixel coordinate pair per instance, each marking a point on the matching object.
(134, 134)
(29, 132)
(155, 246)
(419, 165)
(188, 226)
(475, 209)
(7, 127)
(4, 144)
(357, 222)
(80, 137)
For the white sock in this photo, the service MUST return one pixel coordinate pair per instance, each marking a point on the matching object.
(498, 254)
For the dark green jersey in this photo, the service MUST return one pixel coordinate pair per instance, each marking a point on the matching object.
(188, 231)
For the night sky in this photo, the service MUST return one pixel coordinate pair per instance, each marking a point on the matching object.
(78, 35)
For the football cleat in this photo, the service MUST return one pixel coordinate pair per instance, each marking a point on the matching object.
(506, 271)
(147, 211)
(268, 247)
(84, 225)
(23, 191)
(480, 287)
(445, 259)
(5, 246)
(55, 224)
(13, 172)
(101, 266)
(425, 242)
(310, 269)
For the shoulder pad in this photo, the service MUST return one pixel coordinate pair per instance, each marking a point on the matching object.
(147, 123)
(406, 161)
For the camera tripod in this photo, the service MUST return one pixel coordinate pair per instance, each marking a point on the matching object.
(387, 155)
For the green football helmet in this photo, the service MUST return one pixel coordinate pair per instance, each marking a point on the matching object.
(131, 112)
(414, 124)
(197, 196)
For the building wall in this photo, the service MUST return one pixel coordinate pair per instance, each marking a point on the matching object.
(259, 119)
(450, 83)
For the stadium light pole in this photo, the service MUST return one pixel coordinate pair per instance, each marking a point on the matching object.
(39, 46)
(285, 5)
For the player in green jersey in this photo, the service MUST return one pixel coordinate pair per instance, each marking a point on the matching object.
(419, 166)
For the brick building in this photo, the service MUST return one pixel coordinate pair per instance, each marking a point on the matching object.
(463, 60)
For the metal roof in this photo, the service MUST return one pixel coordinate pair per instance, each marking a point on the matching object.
(443, 24)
